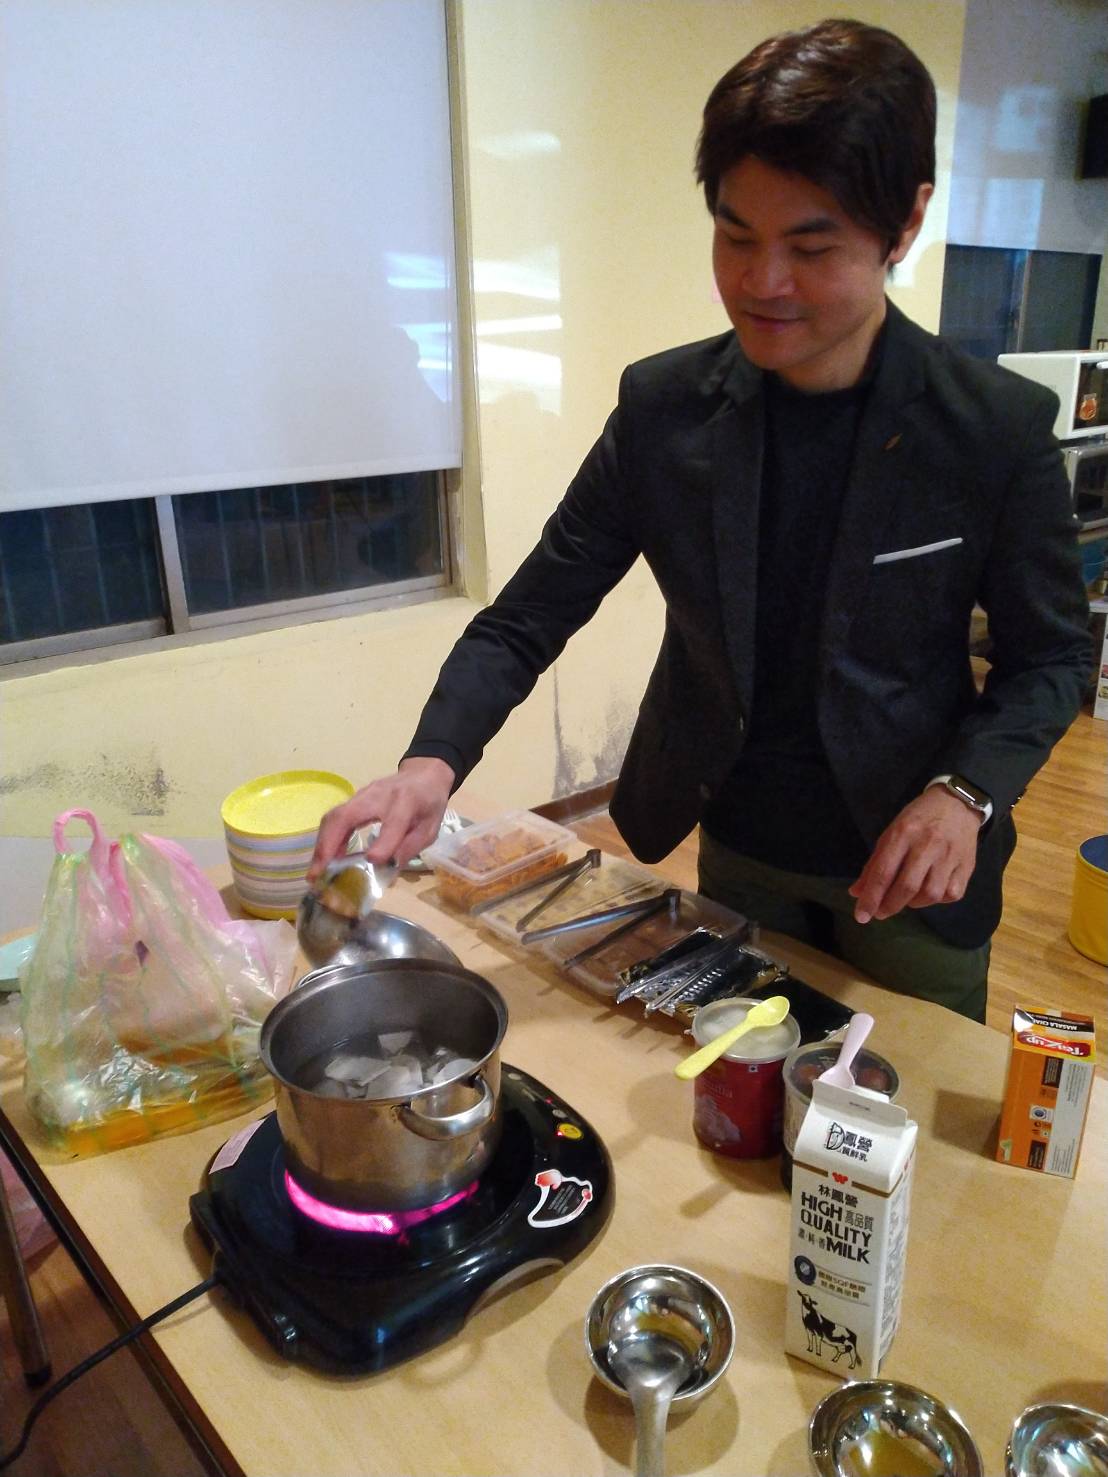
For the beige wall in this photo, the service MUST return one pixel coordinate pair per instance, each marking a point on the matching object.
(589, 247)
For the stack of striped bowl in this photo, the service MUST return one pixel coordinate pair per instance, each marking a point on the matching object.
(270, 825)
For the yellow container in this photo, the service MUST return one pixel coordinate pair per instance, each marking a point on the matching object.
(287, 806)
(270, 825)
(1089, 913)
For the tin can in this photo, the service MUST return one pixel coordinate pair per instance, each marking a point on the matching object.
(738, 1101)
(802, 1068)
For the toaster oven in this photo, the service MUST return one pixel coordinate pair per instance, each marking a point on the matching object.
(1079, 377)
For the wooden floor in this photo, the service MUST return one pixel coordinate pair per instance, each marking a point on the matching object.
(112, 1424)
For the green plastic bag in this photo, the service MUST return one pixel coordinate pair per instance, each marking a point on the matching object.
(143, 1000)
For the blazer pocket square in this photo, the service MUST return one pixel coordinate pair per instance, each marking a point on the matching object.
(895, 554)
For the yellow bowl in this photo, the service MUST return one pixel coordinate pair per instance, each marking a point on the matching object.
(278, 806)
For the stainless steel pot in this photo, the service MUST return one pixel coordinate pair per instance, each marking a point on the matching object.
(387, 1153)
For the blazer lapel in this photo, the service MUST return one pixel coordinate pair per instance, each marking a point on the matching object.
(883, 456)
(737, 437)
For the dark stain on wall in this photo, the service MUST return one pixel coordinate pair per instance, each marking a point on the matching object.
(574, 769)
(136, 784)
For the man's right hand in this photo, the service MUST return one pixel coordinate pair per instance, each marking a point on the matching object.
(409, 804)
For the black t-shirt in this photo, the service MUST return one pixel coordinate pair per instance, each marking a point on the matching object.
(780, 804)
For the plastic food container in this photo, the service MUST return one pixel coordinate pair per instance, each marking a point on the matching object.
(609, 884)
(738, 1101)
(603, 972)
(484, 861)
(802, 1068)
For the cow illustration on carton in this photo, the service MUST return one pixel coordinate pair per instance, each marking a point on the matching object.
(820, 1329)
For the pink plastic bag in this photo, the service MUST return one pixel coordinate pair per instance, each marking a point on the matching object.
(143, 1000)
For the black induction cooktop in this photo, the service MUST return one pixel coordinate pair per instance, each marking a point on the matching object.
(359, 1301)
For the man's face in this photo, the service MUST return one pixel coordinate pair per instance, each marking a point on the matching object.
(803, 284)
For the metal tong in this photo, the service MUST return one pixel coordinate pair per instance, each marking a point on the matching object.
(670, 901)
(627, 915)
(587, 863)
(569, 873)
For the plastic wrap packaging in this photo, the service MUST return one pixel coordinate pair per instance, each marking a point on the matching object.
(143, 1001)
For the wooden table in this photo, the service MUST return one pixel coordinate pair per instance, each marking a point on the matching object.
(1003, 1306)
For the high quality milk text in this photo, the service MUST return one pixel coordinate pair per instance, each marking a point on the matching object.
(843, 1239)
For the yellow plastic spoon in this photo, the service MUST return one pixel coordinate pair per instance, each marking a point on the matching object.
(769, 1012)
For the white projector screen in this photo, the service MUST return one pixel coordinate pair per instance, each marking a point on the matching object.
(227, 255)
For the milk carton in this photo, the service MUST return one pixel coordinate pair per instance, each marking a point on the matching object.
(852, 1175)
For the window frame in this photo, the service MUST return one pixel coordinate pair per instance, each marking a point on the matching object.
(134, 637)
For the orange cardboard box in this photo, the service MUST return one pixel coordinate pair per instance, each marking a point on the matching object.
(1051, 1059)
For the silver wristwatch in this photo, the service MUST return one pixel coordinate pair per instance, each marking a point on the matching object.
(967, 792)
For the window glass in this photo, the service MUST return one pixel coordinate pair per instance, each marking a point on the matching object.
(981, 297)
(98, 566)
(259, 545)
(78, 568)
(998, 300)
(1061, 300)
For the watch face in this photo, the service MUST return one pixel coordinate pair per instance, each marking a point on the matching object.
(968, 792)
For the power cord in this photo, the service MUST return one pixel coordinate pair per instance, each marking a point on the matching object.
(93, 1359)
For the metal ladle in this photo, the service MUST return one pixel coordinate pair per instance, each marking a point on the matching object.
(339, 903)
(658, 1333)
(651, 1368)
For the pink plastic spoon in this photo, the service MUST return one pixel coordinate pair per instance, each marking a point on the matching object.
(839, 1073)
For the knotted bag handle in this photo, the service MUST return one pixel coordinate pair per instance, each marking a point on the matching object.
(99, 851)
(104, 857)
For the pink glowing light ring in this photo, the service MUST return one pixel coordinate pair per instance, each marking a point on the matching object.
(376, 1222)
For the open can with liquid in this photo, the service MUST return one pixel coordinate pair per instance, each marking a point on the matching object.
(738, 1101)
(801, 1069)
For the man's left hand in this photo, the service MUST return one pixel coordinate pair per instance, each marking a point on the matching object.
(927, 855)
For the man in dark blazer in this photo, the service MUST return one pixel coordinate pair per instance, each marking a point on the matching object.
(823, 495)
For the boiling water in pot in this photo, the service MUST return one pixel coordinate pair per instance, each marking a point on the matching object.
(381, 1065)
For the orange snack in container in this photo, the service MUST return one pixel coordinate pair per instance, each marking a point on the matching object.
(482, 862)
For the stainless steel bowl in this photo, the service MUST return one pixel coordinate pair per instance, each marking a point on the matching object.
(872, 1426)
(1058, 1441)
(676, 1305)
(328, 937)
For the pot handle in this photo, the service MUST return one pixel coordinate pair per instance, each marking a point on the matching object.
(454, 1125)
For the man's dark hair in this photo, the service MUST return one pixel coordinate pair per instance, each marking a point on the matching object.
(846, 105)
